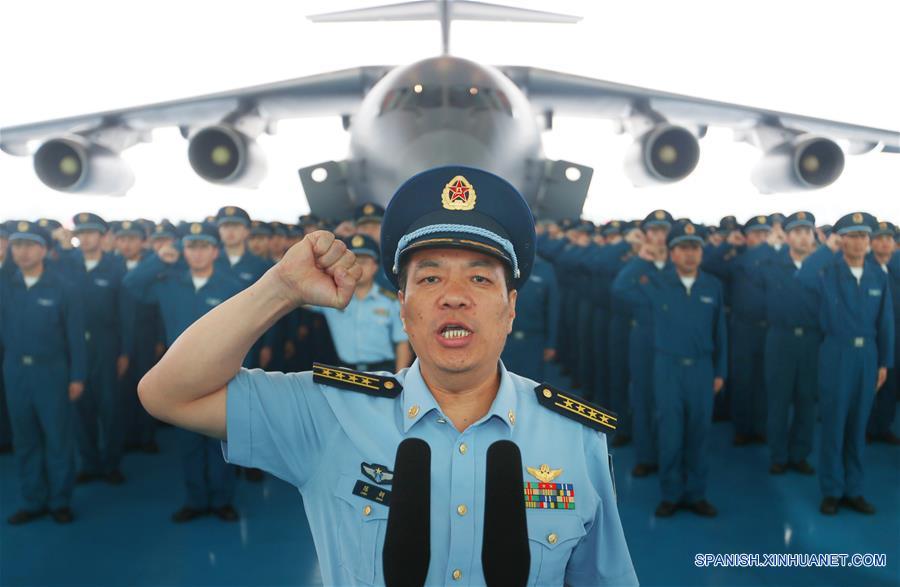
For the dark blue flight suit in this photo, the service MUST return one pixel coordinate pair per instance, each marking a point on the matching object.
(98, 427)
(6, 271)
(146, 332)
(884, 407)
(690, 342)
(640, 357)
(210, 481)
(748, 333)
(858, 323)
(791, 356)
(44, 351)
(535, 326)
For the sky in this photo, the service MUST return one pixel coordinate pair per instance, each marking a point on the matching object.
(819, 58)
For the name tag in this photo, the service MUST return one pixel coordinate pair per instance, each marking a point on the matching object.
(706, 299)
(213, 301)
(246, 276)
(373, 493)
(875, 292)
(101, 282)
(45, 302)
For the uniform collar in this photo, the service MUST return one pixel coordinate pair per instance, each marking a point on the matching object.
(417, 400)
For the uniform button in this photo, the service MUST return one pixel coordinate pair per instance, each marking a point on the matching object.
(457, 575)
(547, 393)
(552, 538)
(463, 448)
(461, 509)
(413, 412)
(367, 511)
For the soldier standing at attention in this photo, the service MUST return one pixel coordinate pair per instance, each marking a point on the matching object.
(44, 368)
(857, 318)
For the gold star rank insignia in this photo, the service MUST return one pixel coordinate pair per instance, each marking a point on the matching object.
(573, 407)
(360, 381)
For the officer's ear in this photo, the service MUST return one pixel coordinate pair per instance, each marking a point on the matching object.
(401, 297)
(513, 296)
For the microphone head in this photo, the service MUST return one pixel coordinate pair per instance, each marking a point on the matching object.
(407, 540)
(505, 555)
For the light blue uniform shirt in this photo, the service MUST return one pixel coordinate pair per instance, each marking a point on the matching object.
(367, 330)
(317, 437)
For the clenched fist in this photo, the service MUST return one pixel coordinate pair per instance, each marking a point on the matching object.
(319, 271)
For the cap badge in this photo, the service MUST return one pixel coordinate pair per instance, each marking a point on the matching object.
(689, 229)
(357, 241)
(196, 228)
(458, 194)
(126, 224)
(761, 219)
(23, 226)
(83, 217)
(801, 215)
(368, 209)
(659, 215)
(43, 222)
(229, 211)
(857, 217)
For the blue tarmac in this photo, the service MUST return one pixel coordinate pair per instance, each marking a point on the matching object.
(123, 536)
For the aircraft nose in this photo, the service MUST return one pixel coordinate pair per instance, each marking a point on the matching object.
(444, 147)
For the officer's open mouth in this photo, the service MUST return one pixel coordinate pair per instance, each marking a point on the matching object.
(453, 331)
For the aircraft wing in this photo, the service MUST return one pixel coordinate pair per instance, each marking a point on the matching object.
(567, 94)
(333, 93)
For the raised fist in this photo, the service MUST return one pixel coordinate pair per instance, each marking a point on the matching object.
(319, 271)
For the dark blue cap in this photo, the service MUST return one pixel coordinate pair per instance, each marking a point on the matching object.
(164, 229)
(584, 226)
(294, 231)
(798, 219)
(613, 227)
(458, 206)
(728, 224)
(5, 229)
(308, 220)
(200, 231)
(29, 231)
(657, 218)
(776, 218)
(855, 222)
(884, 227)
(278, 228)
(361, 244)
(128, 227)
(757, 223)
(684, 232)
(89, 221)
(368, 212)
(260, 228)
(232, 214)
(827, 229)
(48, 224)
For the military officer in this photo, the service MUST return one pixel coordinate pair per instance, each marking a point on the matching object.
(163, 234)
(98, 276)
(857, 319)
(748, 324)
(258, 242)
(144, 334)
(532, 342)
(44, 368)
(6, 269)
(791, 347)
(184, 294)
(458, 242)
(655, 227)
(689, 366)
(885, 255)
(368, 334)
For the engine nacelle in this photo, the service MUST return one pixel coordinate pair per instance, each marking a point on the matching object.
(806, 162)
(224, 155)
(75, 165)
(664, 154)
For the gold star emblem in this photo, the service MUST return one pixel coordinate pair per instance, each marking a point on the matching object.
(761, 219)
(368, 209)
(196, 228)
(801, 215)
(23, 226)
(689, 229)
(229, 211)
(126, 224)
(458, 194)
(659, 215)
(857, 217)
(83, 217)
(357, 241)
(544, 473)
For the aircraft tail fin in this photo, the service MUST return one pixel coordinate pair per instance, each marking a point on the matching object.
(444, 11)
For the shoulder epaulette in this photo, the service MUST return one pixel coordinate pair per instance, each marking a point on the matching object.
(387, 293)
(573, 407)
(360, 381)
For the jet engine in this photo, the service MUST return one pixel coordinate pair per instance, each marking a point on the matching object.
(223, 154)
(803, 163)
(664, 154)
(75, 165)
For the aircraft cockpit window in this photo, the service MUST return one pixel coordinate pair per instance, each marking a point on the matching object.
(464, 97)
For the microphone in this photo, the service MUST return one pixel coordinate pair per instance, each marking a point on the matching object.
(505, 555)
(407, 540)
